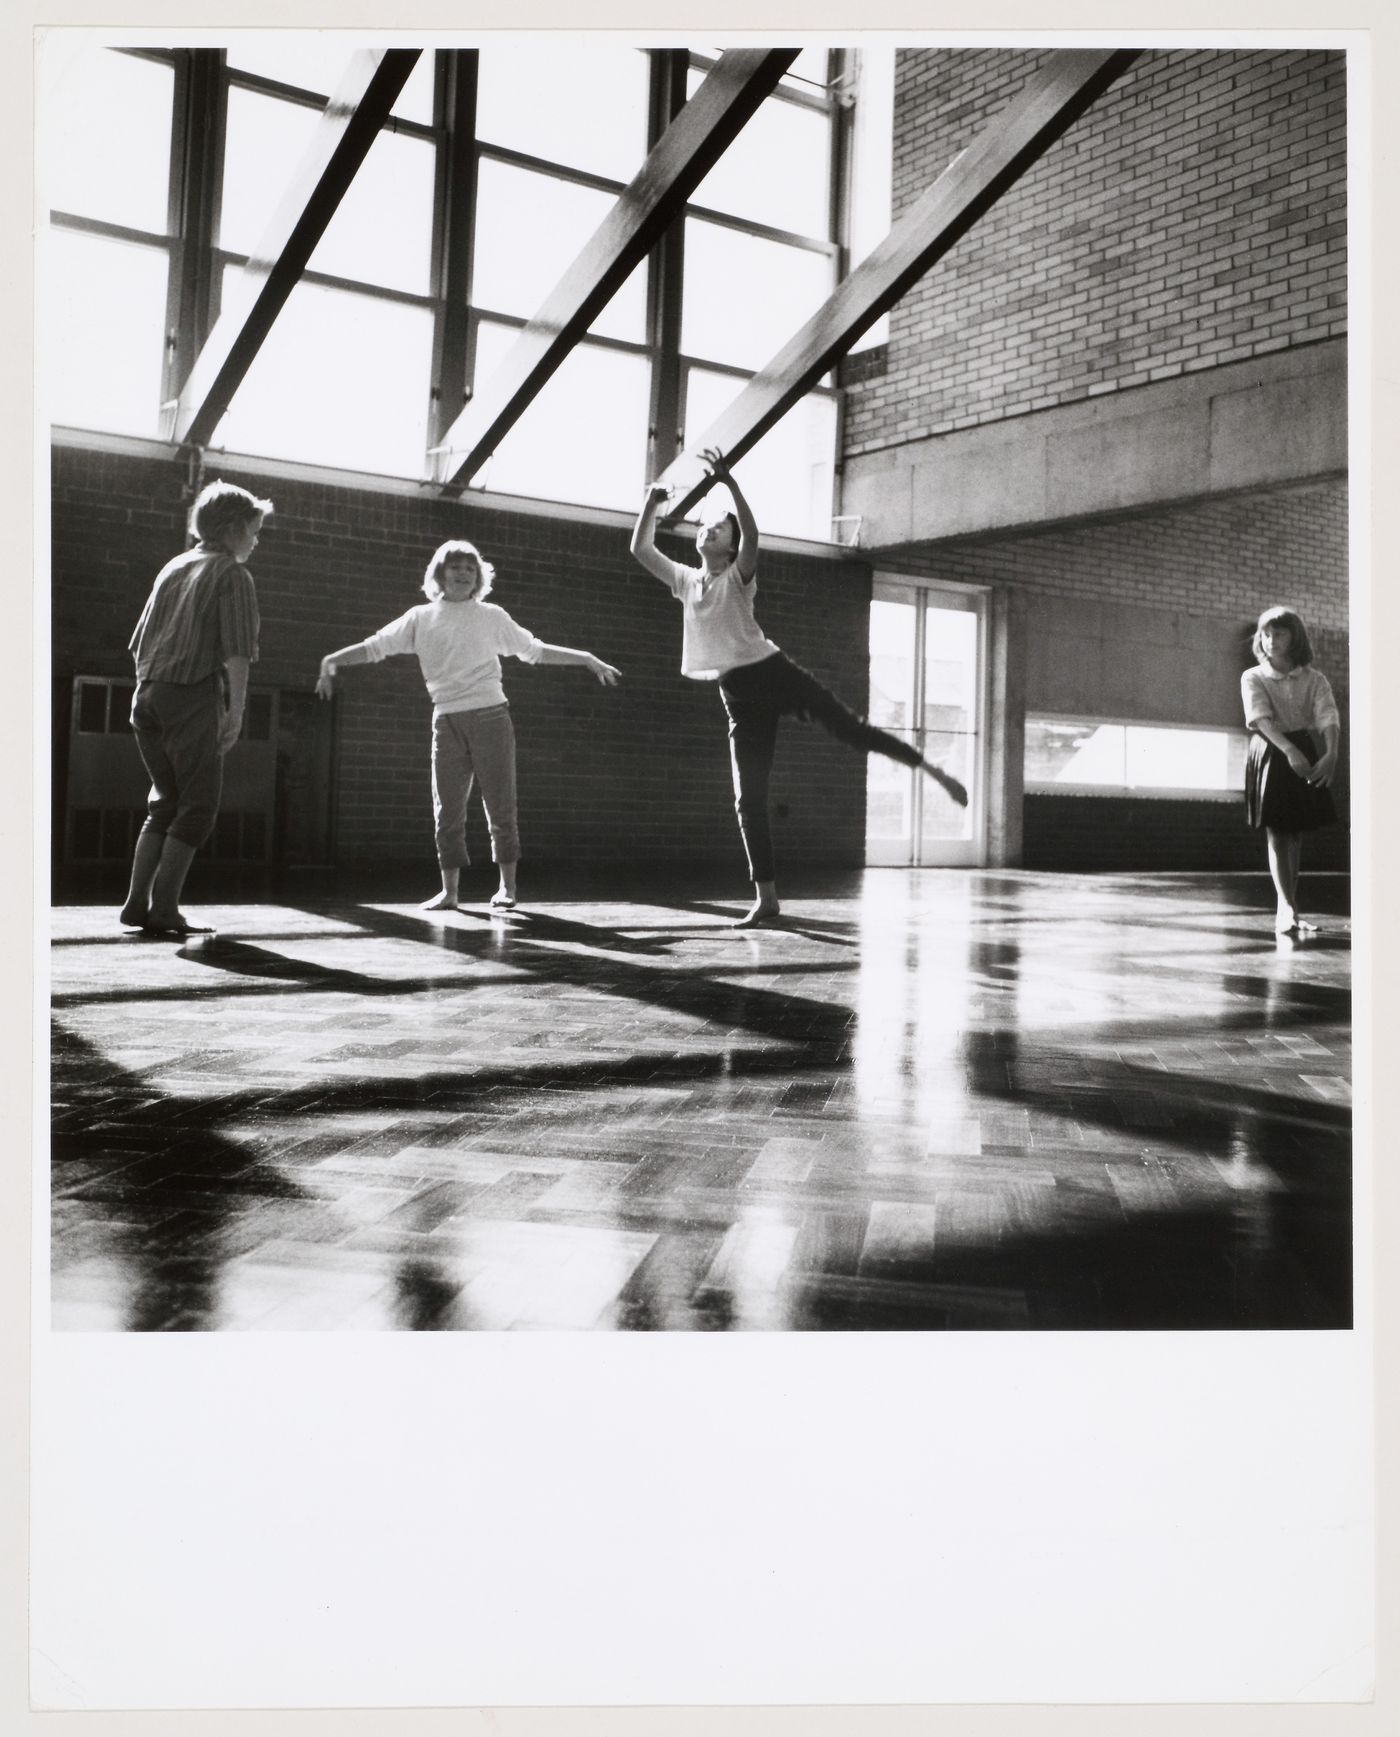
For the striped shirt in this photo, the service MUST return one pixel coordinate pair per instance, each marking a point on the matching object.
(202, 611)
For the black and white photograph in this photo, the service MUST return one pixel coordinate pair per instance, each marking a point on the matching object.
(927, 468)
(704, 688)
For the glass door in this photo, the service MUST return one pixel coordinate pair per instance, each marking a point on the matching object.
(927, 686)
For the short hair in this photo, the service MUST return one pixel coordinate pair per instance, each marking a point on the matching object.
(221, 507)
(730, 519)
(460, 548)
(1300, 647)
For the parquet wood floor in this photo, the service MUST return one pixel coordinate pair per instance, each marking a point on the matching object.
(935, 1100)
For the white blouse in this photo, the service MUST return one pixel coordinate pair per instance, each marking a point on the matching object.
(1300, 699)
(720, 631)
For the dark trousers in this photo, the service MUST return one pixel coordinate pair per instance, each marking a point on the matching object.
(755, 696)
(177, 730)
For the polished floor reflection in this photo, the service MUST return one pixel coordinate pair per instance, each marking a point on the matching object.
(949, 1099)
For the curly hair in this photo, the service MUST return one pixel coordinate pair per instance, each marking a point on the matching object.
(457, 546)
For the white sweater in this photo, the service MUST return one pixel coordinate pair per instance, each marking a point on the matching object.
(459, 647)
(1300, 700)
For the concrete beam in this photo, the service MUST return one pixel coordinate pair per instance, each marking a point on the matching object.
(1010, 144)
(1271, 421)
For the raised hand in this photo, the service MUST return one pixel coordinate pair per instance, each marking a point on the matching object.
(713, 460)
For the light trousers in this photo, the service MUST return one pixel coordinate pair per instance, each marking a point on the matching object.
(468, 746)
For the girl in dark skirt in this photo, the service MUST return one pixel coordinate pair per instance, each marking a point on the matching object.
(1294, 731)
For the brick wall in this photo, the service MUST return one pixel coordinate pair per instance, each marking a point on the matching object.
(639, 773)
(1183, 574)
(1214, 558)
(1194, 216)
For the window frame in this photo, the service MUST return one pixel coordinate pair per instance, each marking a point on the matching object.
(197, 259)
(1137, 792)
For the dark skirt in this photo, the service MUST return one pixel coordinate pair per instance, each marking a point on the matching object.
(1274, 794)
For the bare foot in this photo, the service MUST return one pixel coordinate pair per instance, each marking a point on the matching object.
(443, 902)
(173, 928)
(501, 900)
(762, 913)
(133, 916)
(948, 783)
(1285, 921)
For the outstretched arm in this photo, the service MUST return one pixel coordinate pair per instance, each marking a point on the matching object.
(333, 661)
(566, 654)
(747, 557)
(644, 536)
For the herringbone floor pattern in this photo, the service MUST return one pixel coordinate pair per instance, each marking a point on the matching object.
(939, 1100)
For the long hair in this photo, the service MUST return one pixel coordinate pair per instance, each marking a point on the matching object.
(432, 586)
(1300, 649)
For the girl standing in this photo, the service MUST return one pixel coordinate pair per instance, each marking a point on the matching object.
(459, 640)
(1294, 732)
(757, 683)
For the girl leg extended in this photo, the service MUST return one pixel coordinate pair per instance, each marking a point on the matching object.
(806, 696)
(803, 694)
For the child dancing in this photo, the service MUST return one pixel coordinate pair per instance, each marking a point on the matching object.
(722, 642)
(459, 640)
(1288, 708)
(193, 644)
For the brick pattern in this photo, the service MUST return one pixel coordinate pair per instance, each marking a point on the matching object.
(1225, 560)
(636, 773)
(1223, 557)
(1194, 216)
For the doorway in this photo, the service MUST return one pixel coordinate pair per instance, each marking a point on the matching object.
(928, 683)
